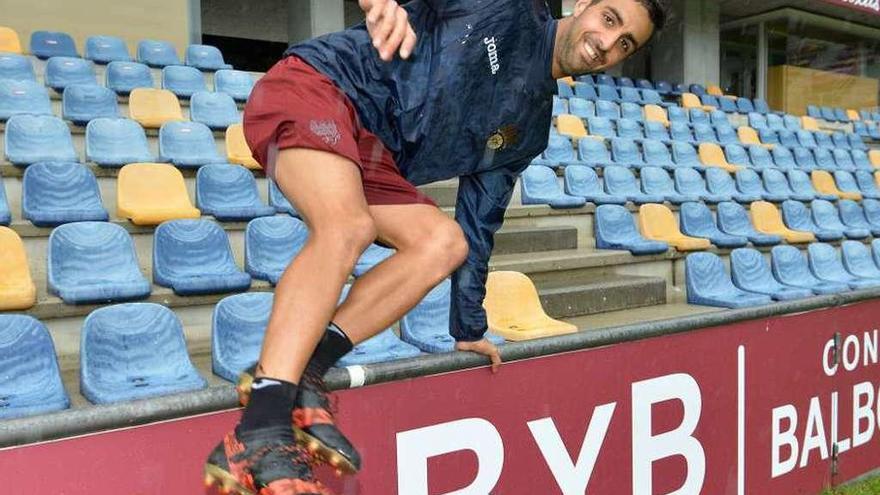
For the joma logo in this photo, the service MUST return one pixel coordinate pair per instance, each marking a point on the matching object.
(493, 54)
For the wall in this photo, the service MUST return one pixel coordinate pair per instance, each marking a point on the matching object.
(259, 20)
(689, 48)
(791, 89)
(132, 21)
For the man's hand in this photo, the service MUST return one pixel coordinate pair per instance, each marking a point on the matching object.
(388, 27)
(483, 347)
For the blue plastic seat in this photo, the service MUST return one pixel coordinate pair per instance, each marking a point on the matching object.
(560, 106)
(656, 182)
(709, 284)
(726, 134)
(123, 77)
(615, 228)
(134, 351)
(157, 53)
(875, 247)
(5, 214)
(777, 182)
(607, 109)
(681, 132)
(790, 122)
(757, 121)
(626, 152)
(558, 152)
(270, 244)
(619, 181)
(785, 159)
(751, 272)
(580, 107)
(861, 129)
(17, 97)
(843, 159)
(824, 159)
(841, 115)
(813, 111)
(760, 157)
(182, 80)
(216, 110)
(238, 326)
(806, 139)
(689, 182)
(697, 89)
(768, 136)
(858, 261)
(83, 103)
(802, 185)
(749, 183)
(630, 94)
(631, 111)
(62, 72)
(825, 263)
(94, 262)
(720, 182)
(827, 113)
(657, 154)
(205, 57)
(826, 215)
(16, 67)
(663, 87)
(733, 219)
(856, 142)
(563, 89)
(787, 138)
(188, 144)
(696, 221)
(583, 182)
(644, 84)
(718, 119)
(796, 216)
(38, 138)
(625, 82)
(106, 49)
(790, 267)
(761, 106)
(839, 140)
(116, 142)
(652, 97)
(585, 91)
(744, 105)
(777, 123)
(601, 126)
(629, 129)
(685, 155)
(194, 257)
(867, 186)
(657, 131)
(677, 114)
(847, 183)
(229, 193)
(727, 105)
(854, 217)
(698, 116)
(28, 364)
(385, 346)
(46, 44)
(737, 155)
(539, 186)
(805, 159)
(279, 201)
(372, 256)
(823, 140)
(53, 193)
(607, 93)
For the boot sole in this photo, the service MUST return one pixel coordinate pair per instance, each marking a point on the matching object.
(224, 482)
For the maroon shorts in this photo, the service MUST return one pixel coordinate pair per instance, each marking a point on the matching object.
(295, 106)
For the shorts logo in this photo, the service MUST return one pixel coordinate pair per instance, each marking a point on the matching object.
(326, 130)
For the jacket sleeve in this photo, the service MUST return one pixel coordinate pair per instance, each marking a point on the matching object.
(482, 201)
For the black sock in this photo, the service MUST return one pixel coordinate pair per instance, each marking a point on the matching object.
(333, 345)
(271, 404)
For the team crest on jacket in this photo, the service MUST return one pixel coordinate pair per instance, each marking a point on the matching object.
(507, 135)
(326, 130)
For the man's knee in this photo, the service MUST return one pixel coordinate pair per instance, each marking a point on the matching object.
(446, 245)
(347, 234)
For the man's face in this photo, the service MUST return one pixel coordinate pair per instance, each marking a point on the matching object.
(603, 33)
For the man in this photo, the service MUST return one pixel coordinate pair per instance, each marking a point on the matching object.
(346, 125)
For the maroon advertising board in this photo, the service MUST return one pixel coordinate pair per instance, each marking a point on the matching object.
(757, 407)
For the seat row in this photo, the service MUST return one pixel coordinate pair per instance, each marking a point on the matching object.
(663, 87)
(812, 139)
(832, 114)
(867, 130)
(610, 94)
(106, 49)
(789, 275)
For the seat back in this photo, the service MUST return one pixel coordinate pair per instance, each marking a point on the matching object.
(747, 135)
(744, 105)
(582, 181)
(538, 184)
(689, 181)
(775, 182)
(658, 131)
(656, 221)
(46, 44)
(607, 109)
(512, 301)
(677, 114)
(205, 57)
(187, 144)
(630, 94)
(804, 158)
(698, 116)
(620, 181)
(191, 248)
(705, 276)
(559, 149)
(787, 138)
(825, 261)
(586, 91)
(152, 186)
(580, 107)
(826, 214)
(629, 129)
(655, 180)
(16, 285)
(760, 157)
(237, 150)
(631, 111)
(625, 152)
(106, 49)
(270, 245)
(182, 80)
(685, 155)
(696, 219)
(38, 138)
(116, 142)
(748, 182)
(845, 181)
(765, 217)
(852, 214)
(690, 100)
(16, 67)
(607, 92)
(857, 259)
(655, 113)
(797, 216)
(711, 155)
(737, 154)
(680, 131)
(9, 41)
(65, 71)
(571, 126)
(238, 326)
(656, 153)
(216, 110)
(704, 133)
(123, 77)
(806, 139)
(601, 126)
(18, 97)
(761, 105)
(614, 223)
(82, 103)
(800, 182)
(237, 84)
(153, 107)
(221, 187)
(53, 193)
(156, 53)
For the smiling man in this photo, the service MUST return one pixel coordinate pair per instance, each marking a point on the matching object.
(348, 124)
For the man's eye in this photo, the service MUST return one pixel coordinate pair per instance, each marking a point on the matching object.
(609, 20)
(625, 45)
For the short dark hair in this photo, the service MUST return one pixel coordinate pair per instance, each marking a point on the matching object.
(658, 11)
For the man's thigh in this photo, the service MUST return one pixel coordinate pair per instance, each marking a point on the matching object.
(404, 225)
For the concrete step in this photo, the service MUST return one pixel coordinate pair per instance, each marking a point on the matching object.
(602, 295)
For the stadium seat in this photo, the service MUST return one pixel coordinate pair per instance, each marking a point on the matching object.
(134, 351)
(825, 263)
(9, 41)
(53, 193)
(853, 217)
(17, 289)
(727, 105)
(644, 84)
(788, 138)
(539, 186)
(841, 115)
(826, 215)
(750, 272)
(789, 122)
(94, 262)
(657, 154)
(708, 284)
(696, 221)
(797, 217)
(229, 193)
(856, 142)
(698, 116)
(824, 140)
(606, 93)
(656, 182)
(579, 107)
(124, 77)
(28, 364)
(654, 113)
(657, 223)
(760, 157)
(688, 181)
(814, 112)
(216, 110)
(238, 325)
(153, 107)
(237, 150)
(626, 152)
(560, 105)
(619, 181)
(16, 67)
(558, 152)
(625, 82)
(106, 49)
(157, 53)
(188, 144)
(684, 155)
(776, 182)
(734, 220)
(182, 80)
(571, 126)
(426, 326)
(806, 139)
(768, 137)
(631, 111)
(151, 193)
(761, 106)
(205, 57)
(607, 109)
(678, 114)
(630, 95)
(726, 134)
(599, 126)
(194, 257)
(585, 91)
(5, 214)
(847, 183)
(827, 114)
(697, 89)
(809, 124)
(85, 102)
(38, 138)
(46, 44)
(840, 141)
(372, 256)
(801, 184)
(867, 186)
(722, 183)
(615, 228)
(711, 155)
(658, 131)
(874, 157)
(704, 133)
(744, 106)
(65, 71)
(663, 87)
(858, 260)
(18, 97)
(805, 159)
(583, 182)
(749, 183)
(652, 97)
(861, 129)
(280, 202)
(270, 245)
(737, 154)
(767, 220)
(116, 142)
(514, 310)
(757, 121)
(629, 129)
(843, 159)
(385, 346)
(790, 267)
(563, 89)
(749, 136)
(689, 100)
(824, 183)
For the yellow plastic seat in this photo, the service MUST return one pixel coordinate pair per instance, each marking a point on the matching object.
(853, 115)
(874, 156)
(571, 126)
(153, 107)
(237, 150)
(690, 100)
(514, 311)
(824, 183)
(9, 41)
(656, 113)
(748, 136)
(711, 155)
(766, 219)
(17, 289)
(151, 193)
(714, 90)
(657, 223)
(567, 80)
(809, 123)
(877, 178)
